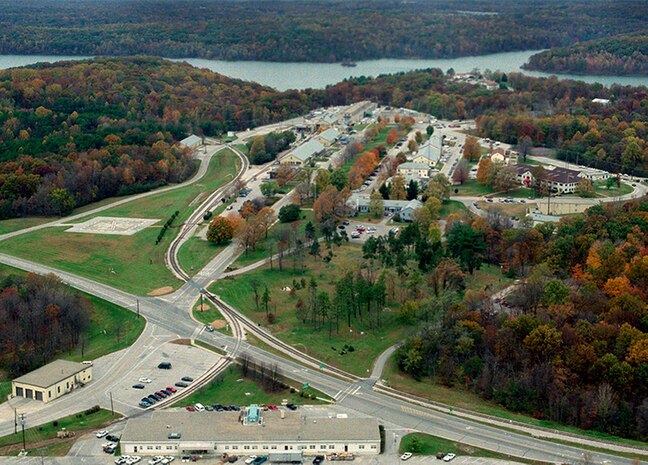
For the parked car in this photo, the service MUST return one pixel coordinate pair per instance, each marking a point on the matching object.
(406, 456)
(172, 389)
(355, 235)
(272, 407)
(188, 379)
(209, 328)
(143, 404)
(112, 438)
(318, 459)
(190, 408)
(291, 406)
(101, 434)
(165, 366)
(144, 380)
(161, 394)
(199, 407)
(151, 399)
(181, 384)
(138, 386)
(440, 455)
(449, 457)
(259, 460)
(250, 459)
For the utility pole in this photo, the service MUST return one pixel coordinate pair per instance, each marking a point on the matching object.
(112, 409)
(138, 313)
(22, 423)
(15, 421)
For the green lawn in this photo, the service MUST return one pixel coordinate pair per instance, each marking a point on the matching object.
(132, 263)
(231, 388)
(489, 278)
(5, 390)
(267, 246)
(196, 252)
(603, 191)
(471, 188)
(314, 341)
(111, 328)
(452, 206)
(425, 444)
(14, 224)
(78, 422)
(461, 397)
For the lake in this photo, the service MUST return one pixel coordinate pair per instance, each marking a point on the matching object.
(284, 76)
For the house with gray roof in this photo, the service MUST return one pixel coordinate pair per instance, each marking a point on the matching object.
(51, 381)
(304, 153)
(359, 203)
(191, 142)
(329, 137)
(430, 152)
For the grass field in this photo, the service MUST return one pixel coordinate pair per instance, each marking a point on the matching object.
(488, 278)
(471, 187)
(14, 224)
(269, 245)
(132, 263)
(5, 390)
(196, 252)
(465, 399)
(425, 444)
(314, 341)
(603, 191)
(511, 209)
(232, 388)
(77, 423)
(452, 206)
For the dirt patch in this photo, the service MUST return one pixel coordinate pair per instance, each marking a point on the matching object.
(181, 342)
(219, 324)
(161, 291)
(202, 307)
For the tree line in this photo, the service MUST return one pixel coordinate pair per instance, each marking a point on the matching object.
(40, 318)
(618, 55)
(305, 31)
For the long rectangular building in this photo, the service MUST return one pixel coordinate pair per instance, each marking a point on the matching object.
(181, 432)
(51, 381)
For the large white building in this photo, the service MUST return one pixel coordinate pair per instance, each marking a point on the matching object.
(235, 433)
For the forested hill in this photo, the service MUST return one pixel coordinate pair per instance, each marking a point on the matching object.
(306, 30)
(77, 132)
(619, 55)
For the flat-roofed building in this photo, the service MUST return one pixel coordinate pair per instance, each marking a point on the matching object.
(304, 153)
(181, 432)
(51, 381)
(191, 142)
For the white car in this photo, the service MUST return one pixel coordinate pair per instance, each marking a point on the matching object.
(406, 456)
(101, 434)
(144, 380)
(355, 235)
(250, 459)
(449, 457)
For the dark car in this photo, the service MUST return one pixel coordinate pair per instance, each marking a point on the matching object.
(318, 459)
(146, 404)
(232, 458)
(291, 406)
(161, 394)
(181, 384)
(209, 408)
(188, 379)
(259, 460)
(165, 366)
(226, 408)
(217, 407)
(151, 399)
(157, 396)
(235, 408)
(112, 438)
(167, 392)
(138, 386)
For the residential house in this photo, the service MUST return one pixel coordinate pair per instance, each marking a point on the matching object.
(405, 208)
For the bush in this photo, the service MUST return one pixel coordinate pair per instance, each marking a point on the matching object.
(289, 213)
(55, 423)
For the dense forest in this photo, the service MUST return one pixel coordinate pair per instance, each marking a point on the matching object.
(571, 342)
(328, 31)
(77, 132)
(618, 55)
(40, 317)
(553, 113)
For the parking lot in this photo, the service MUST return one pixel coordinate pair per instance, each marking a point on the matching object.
(185, 361)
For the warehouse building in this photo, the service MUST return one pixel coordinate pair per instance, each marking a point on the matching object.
(236, 433)
(51, 381)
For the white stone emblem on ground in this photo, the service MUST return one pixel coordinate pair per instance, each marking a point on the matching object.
(112, 225)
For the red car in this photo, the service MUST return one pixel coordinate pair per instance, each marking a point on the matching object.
(272, 407)
(161, 394)
(190, 408)
(172, 389)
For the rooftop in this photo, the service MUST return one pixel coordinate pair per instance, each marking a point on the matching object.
(191, 140)
(330, 135)
(225, 426)
(413, 166)
(308, 150)
(51, 373)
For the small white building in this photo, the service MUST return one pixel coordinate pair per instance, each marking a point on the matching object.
(415, 170)
(359, 203)
(181, 432)
(51, 381)
(191, 142)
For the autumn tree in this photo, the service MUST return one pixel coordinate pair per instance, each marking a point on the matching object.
(486, 171)
(392, 136)
(471, 149)
(376, 204)
(331, 205)
(221, 230)
(461, 172)
(397, 189)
